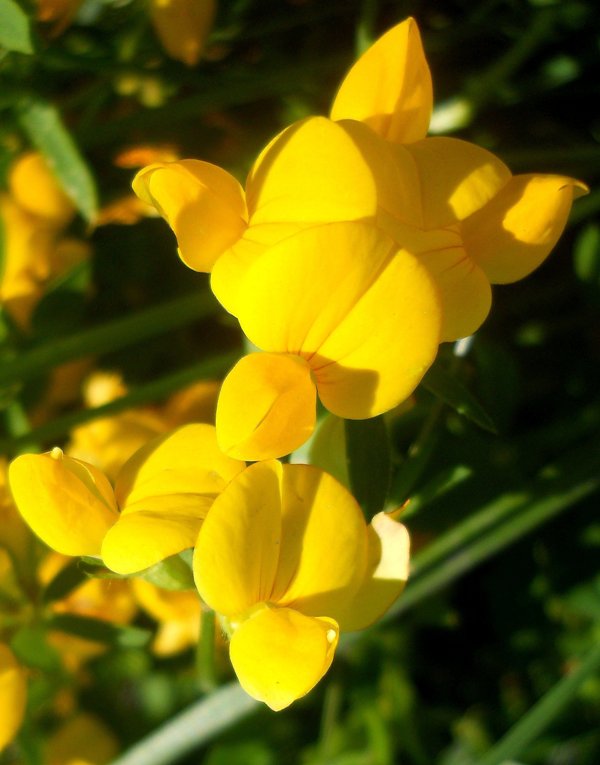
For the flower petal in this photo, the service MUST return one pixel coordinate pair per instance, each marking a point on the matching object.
(36, 189)
(363, 314)
(182, 26)
(237, 551)
(152, 531)
(323, 543)
(187, 460)
(389, 87)
(456, 178)
(464, 290)
(227, 276)
(279, 655)
(267, 406)
(312, 172)
(203, 204)
(386, 574)
(69, 504)
(13, 695)
(514, 233)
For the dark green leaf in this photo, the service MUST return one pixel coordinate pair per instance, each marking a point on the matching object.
(67, 579)
(369, 463)
(15, 34)
(452, 392)
(100, 631)
(587, 254)
(44, 126)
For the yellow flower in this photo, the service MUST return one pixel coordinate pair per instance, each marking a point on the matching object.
(108, 442)
(34, 187)
(372, 161)
(182, 26)
(82, 740)
(13, 695)
(34, 254)
(163, 491)
(110, 600)
(357, 246)
(177, 613)
(287, 561)
(341, 310)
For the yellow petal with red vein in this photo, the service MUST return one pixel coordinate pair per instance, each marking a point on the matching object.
(457, 178)
(267, 406)
(69, 504)
(279, 654)
(237, 553)
(514, 233)
(389, 87)
(465, 292)
(386, 573)
(203, 204)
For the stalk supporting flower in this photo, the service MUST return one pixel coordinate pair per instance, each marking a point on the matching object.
(287, 561)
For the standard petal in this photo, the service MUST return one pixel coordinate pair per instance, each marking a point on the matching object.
(69, 504)
(386, 573)
(203, 204)
(237, 551)
(279, 655)
(514, 233)
(267, 406)
(456, 178)
(323, 543)
(389, 87)
(464, 290)
(13, 695)
(153, 530)
(312, 172)
(187, 460)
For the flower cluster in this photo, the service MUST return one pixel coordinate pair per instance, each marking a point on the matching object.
(357, 246)
(282, 552)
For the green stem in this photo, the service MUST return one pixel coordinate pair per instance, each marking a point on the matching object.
(140, 396)
(111, 336)
(542, 714)
(205, 656)
(193, 727)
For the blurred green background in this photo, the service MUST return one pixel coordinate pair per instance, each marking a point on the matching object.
(505, 598)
